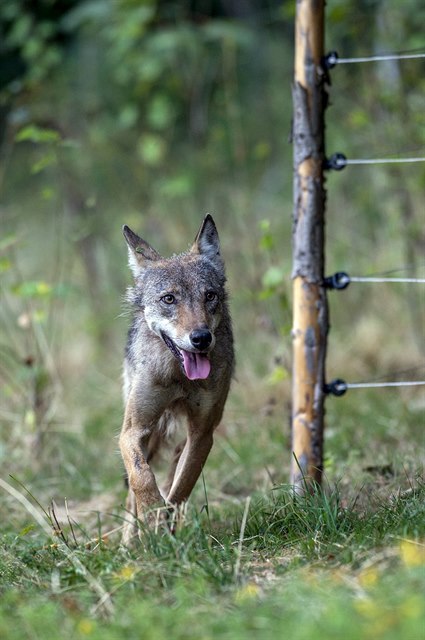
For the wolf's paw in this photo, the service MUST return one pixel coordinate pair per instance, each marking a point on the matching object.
(155, 521)
(176, 516)
(130, 532)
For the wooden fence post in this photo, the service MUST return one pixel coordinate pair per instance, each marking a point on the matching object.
(310, 309)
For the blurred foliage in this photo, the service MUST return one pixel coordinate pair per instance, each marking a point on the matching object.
(158, 79)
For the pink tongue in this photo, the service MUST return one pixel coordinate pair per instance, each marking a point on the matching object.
(196, 365)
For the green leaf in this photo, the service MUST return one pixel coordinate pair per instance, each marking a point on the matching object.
(267, 241)
(279, 374)
(23, 532)
(46, 160)
(5, 265)
(151, 149)
(161, 112)
(20, 30)
(261, 151)
(48, 193)
(33, 48)
(33, 289)
(273, 277)
(128, 116)
(177, 187)
(38, 135)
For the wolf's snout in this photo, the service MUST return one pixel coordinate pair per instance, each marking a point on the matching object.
(201, 339)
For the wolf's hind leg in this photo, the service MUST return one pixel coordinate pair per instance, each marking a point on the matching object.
(190, 464)
(172, 471)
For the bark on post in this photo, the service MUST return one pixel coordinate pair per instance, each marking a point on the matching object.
(310, 310)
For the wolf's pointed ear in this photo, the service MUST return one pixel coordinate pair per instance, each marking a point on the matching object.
(139, 251)
(206, 241)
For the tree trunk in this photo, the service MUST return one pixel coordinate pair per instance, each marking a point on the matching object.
(310, 309)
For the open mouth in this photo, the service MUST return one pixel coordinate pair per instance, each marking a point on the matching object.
(196, 366)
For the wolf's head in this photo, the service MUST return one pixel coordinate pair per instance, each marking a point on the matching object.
(182, 297)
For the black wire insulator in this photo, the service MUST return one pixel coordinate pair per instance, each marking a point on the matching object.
(330, 60)
(336, 388)
(338, 281)
(337, 162)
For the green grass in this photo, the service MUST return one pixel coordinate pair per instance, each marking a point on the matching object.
(298, 566)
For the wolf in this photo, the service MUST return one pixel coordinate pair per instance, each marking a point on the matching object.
(179, 362)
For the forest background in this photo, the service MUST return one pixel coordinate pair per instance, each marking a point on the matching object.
(151, 114)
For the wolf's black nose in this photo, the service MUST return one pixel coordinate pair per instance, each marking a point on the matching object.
(201, 339)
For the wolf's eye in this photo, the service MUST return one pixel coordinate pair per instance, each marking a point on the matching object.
(168, 298)
(210, 296)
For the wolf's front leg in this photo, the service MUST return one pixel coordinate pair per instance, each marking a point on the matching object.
(144, 495)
